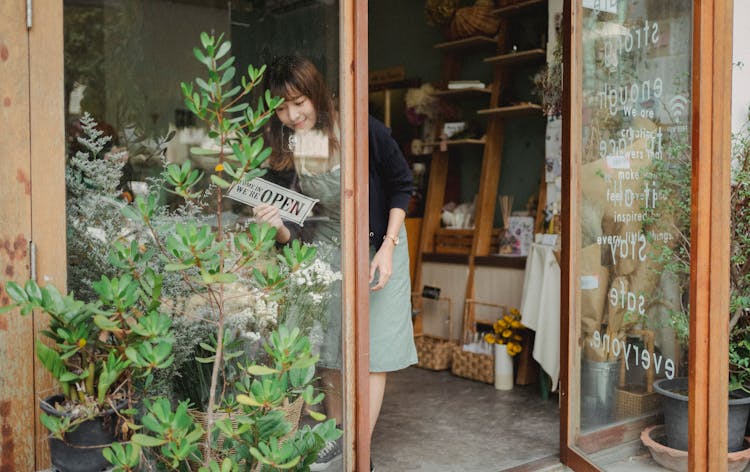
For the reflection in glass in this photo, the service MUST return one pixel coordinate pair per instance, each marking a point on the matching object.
(635, 210)
(127, 118)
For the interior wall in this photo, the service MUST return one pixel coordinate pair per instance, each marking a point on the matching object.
(400, 35)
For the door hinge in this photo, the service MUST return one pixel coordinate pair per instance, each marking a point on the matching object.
(32, 262)
(29, 13)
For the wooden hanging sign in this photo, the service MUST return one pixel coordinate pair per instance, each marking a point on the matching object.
(293, 206)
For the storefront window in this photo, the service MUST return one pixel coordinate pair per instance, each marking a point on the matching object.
(133, 137)
(635, 198)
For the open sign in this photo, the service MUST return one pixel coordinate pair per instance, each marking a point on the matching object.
(293, 206)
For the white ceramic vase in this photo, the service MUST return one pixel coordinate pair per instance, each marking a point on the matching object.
(503, 368)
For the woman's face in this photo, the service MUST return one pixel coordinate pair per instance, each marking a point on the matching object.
(297, 113)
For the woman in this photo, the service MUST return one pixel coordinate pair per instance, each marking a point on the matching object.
(304, 137)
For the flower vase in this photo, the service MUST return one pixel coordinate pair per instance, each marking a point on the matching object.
(503, 368)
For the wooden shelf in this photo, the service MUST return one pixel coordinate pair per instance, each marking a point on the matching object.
(517, 57)
(473, 41)
(513, 110)
(518, 7)
(455, 142)
(459, 92)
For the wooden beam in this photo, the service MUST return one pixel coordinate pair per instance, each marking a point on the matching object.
(47, 118)
(709, 256)
(356, 252)
(17, 399)
(571, 232)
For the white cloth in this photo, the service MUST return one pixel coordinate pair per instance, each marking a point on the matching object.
(540, 307)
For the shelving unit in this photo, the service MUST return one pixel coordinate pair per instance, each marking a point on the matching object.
(479, 243)
(513, 110)
(518, 57)
(456, 142)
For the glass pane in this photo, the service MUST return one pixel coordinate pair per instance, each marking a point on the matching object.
(635, 218)
(165, 112)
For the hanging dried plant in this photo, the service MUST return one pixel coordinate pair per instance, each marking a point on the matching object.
(440, 12)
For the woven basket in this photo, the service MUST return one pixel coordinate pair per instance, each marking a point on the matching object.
(292, 414)
(633, 402)
(434, 352)
(473, 366)
(473, 21)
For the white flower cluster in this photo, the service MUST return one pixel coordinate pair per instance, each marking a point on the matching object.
(307, 295)
(251, 313)
(315, 279)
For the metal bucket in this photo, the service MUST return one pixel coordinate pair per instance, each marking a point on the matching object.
(598, 383)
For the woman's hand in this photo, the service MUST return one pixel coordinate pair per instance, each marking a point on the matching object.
(270, 214)
(383, 264)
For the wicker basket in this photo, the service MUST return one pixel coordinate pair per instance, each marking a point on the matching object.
(292, 414)
(434, 352)
(472, 21)
(473, 366)
(635, 401)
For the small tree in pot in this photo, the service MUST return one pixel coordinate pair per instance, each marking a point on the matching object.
(673, 175)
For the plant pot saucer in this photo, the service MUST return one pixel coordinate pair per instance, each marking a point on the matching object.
(674, 459)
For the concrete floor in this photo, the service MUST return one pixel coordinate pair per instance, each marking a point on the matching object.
(437, 422)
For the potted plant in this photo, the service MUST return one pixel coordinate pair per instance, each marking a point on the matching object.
(673, 176)
(102, 355)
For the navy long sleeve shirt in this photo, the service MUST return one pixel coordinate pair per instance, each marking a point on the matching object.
(390, 179)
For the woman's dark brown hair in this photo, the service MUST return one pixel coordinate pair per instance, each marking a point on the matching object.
(290, 77)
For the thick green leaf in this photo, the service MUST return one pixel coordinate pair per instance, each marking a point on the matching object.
(147, 441)
(261, 370)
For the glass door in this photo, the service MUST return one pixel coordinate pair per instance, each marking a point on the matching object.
(159, 111)
(631, 229)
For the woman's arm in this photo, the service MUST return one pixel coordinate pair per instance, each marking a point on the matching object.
(382, 262)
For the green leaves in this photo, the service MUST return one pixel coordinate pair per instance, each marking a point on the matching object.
(123, 457)
(174, 432)
(183, 178)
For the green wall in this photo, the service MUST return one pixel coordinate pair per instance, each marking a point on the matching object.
(399, 35)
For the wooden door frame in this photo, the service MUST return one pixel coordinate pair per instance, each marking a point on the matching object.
(16, 333)
(356, 251)
(711, 128)
(33, 215)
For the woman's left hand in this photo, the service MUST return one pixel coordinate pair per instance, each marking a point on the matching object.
(383, 264)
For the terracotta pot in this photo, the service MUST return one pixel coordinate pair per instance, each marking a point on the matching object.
(654, 438)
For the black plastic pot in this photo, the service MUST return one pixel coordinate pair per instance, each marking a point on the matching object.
(82, 449)
(675, 404)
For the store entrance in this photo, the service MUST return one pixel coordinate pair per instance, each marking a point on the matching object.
(472, 94)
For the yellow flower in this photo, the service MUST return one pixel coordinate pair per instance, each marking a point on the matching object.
(81, 343)
(219, 168)
(506, 330)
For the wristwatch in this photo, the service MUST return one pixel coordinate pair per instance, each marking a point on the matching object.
(392, 238)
